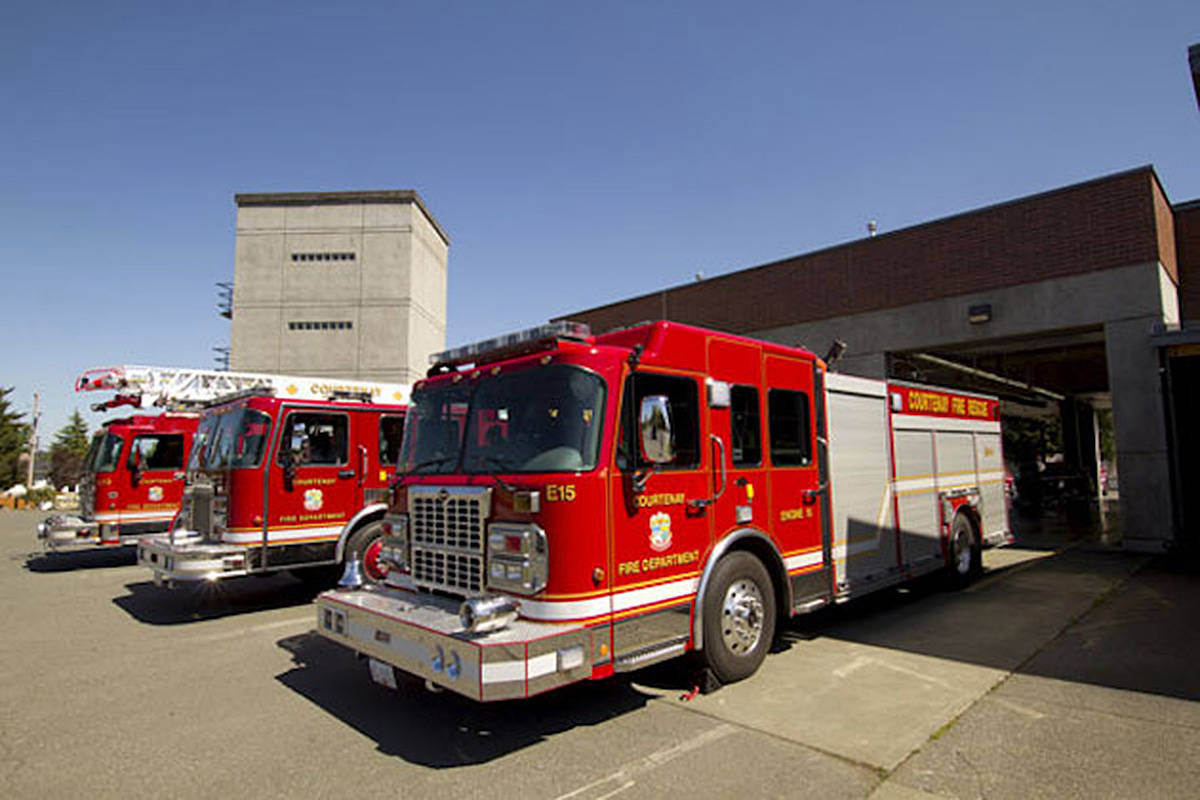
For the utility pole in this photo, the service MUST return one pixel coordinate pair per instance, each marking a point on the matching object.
(33, 440)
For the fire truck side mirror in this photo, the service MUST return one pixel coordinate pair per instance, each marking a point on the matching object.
(654, 422)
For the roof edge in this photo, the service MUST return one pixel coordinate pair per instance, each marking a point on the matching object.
(1145, 168)
(251, 199)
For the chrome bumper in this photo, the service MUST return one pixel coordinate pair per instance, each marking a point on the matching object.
(421, 634)
(189, 558)
(69, 532)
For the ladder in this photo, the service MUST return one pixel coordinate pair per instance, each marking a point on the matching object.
(183, 387)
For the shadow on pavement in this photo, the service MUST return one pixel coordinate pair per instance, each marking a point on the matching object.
(97, 558)
(1084, 615)
(158, 605)
(444, 729)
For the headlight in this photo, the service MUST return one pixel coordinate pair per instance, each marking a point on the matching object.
(393, 549)
(518, 557)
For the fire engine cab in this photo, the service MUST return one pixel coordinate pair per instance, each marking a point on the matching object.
(569, 506)
(290, 475)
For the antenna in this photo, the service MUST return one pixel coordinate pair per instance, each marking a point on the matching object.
(835, 352)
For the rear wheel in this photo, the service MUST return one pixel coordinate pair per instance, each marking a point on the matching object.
(365, 543)
(739, 617)
(964, 555)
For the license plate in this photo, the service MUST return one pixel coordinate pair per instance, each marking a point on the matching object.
(382, 673)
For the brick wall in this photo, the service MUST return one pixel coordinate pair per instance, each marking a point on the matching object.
(1187, 245)
(1110, 222)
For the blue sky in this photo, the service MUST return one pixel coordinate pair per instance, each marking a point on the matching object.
(575, 153)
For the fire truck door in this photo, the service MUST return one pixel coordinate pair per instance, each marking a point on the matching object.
(660, 532)
(323, 492)
(799, 493)
(152, 476)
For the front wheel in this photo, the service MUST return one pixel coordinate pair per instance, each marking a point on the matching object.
(739, 617)
(365, 543)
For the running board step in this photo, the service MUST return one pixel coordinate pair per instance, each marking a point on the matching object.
(650, 655)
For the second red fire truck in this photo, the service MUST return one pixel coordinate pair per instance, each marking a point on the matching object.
(571, 505)
(286, 476)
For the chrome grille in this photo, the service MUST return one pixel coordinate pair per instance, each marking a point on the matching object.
(447, 534)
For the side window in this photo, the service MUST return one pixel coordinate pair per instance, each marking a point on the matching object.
(391, 431)
(682, 397)
(325, 434)
(789, 428)
(745, 428)
(157, 452)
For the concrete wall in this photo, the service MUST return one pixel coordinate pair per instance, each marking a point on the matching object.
(392, 292)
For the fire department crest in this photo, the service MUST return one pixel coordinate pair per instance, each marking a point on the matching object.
(313, 500)
(155, 494)
(660, 531)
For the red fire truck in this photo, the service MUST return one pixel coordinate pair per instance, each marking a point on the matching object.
(571, 505)
(131, 485)
(133, 472)
(286, 476)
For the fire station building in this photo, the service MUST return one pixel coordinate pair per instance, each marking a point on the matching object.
(338, 284)
(1063, 302)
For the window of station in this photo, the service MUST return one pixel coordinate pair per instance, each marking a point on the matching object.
(790, 428)
(309, 325)
(298, 258)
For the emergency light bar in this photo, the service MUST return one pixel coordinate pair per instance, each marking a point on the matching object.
(563, 329)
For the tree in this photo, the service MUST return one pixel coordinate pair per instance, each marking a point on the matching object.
(68, 452)
(14, 436)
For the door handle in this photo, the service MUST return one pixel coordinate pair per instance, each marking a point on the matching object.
(346, 473)
(811, 495)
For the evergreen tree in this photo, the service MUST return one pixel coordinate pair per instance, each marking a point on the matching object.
(68, 451)
(13, 439)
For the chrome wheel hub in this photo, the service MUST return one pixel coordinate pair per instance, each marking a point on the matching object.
(962, 552)
(742, 617)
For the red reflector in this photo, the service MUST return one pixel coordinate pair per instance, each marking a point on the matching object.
(512, 543)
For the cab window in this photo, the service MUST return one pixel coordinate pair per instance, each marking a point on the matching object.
(788, 421)
(391, 432)
(324, 438)
(745, 427)
(682, 398)
(157, 452)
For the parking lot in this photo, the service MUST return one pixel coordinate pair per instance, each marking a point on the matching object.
(1058, 674)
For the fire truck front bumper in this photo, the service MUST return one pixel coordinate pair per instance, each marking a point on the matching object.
(189, 558)
(421, 634)
(67, 532)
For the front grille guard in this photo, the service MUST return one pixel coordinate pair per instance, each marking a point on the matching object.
(448, 536)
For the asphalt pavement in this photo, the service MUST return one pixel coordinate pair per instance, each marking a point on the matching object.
(1068, 674)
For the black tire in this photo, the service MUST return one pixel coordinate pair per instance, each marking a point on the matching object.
(360, 544)
(964, 559)
(736, 644)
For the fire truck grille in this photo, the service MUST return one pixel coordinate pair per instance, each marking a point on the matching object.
(448, 570)
(455, 522)
(447, 535)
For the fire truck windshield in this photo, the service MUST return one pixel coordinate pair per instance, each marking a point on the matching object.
(107, 454)
(234, 439)
(540, 419)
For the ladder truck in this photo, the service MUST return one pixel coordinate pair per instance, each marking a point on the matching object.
(286, 474)
(133, 476)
